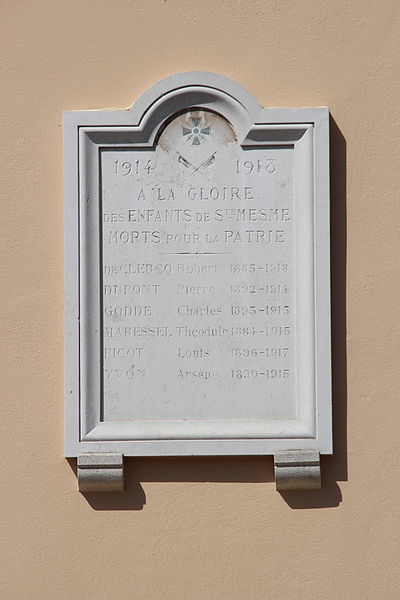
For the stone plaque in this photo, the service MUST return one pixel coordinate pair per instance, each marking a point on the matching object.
(197, 275)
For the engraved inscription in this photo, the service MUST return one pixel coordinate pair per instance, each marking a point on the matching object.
(198, 276)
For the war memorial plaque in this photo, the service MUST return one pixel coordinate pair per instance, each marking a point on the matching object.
(197, 275)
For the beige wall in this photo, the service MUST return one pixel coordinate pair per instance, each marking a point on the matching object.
(203, 528)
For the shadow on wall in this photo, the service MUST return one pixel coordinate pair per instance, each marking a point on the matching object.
(256, 469)
(334, 468)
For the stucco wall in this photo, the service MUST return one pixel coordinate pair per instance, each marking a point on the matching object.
(201, 528)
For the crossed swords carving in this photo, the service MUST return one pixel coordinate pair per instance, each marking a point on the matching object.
(207, 163)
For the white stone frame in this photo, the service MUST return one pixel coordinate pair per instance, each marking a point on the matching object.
(307, 129)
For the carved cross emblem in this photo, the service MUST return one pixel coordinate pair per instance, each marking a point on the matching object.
(196, 131)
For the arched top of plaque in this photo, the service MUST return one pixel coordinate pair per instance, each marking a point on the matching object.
(253, 125)
(199, 89)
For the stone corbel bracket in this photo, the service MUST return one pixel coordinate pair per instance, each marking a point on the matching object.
(104, 472)
(297, 470)
(101, 472)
